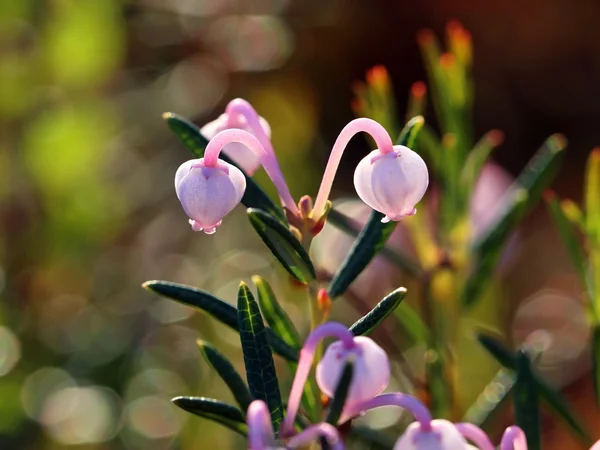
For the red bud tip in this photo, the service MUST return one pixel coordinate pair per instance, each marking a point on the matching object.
(324, 301)
(425, 37)
(496, 137)
(378, 75)
(595, 153)
(418, 89)
(447, 60)
(549, 195)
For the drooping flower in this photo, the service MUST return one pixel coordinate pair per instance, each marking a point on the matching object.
(370, 376)
(392, 182)
(261, 436)
(240, 115)
(391, 179)
(208, 194)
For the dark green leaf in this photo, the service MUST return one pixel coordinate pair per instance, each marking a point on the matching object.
(214, 410)
(260, 367)
(491, 399)
(568, 235)
(227, 372)
(527, 411)
(274, 314)
(283, 244)
(215, 307)
(374, 235)
(550, 395)
(189, 134)
(366, 324)
(523, 195)
(344, 223)
(341, 393)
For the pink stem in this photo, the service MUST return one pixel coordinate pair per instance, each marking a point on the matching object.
(329, 432)
(475, 435)
(382, 140)
(307, 355)
(216, 144)
(242, 107)
(513, 439)
(412, 404)
(260, 430)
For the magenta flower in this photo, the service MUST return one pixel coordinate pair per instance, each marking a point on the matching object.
(240, 115)
(391, 179)
(371, 368)
(261, 436)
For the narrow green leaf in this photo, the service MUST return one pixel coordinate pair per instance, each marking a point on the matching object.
(189, 134)
(341, 393)
(344, 223)
(215, 307)
(478, 156)
(374, 234)
(523, 195)
(274, 314)
(549, 394)
(214, 410)
(592, 194)
(491, 400)
(283, 244)
(227, 372)
(412, 323)
(568, 235)
(596, 361)
(260, 367)
(366, 324)
(527, 411)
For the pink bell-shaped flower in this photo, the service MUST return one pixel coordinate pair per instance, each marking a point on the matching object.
(392, 182)
(443, 435)
(208, 194)
(241, 154)
(371, 369)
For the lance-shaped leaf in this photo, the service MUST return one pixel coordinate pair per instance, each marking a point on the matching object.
(274, 314)
(491, 400)
(478, 156)
(592, 194)
(260, 367)
(227, 372)
(375, 234)
(522, 196)
(189, 134)
(283, 244)
(217, 308)
(527, 411)
(549, 394)
(214, 410)
(366, 324)
(568, 235)
(336, 407)
(412, 324)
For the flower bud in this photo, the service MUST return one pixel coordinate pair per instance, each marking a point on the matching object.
(392, 183)
(238, 152)
(371, 373)
(443, 435)
(208, 194)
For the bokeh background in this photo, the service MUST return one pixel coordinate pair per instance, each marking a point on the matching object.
(90, 360)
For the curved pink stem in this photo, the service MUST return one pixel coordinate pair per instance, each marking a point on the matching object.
(475, 435)
(329, 432)
(242, 107)
(216, 144)
(408, 402)
(260, 429)
(307, 355)
(513, 439)
(382, 140)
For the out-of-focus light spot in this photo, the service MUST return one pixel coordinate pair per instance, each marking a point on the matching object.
(153, 417)
(40, 385)
(80, 415)
(167, 311)
(10, 350)
(155, 381)
(251, 43)
(556, 326)
(193, 87)
(191, 7)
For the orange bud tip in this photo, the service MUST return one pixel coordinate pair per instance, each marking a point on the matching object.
(418, 89)
(324, 300)
(447, 60)
(378, 75)
(549, 195)
(595, 153)
(496, 137)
